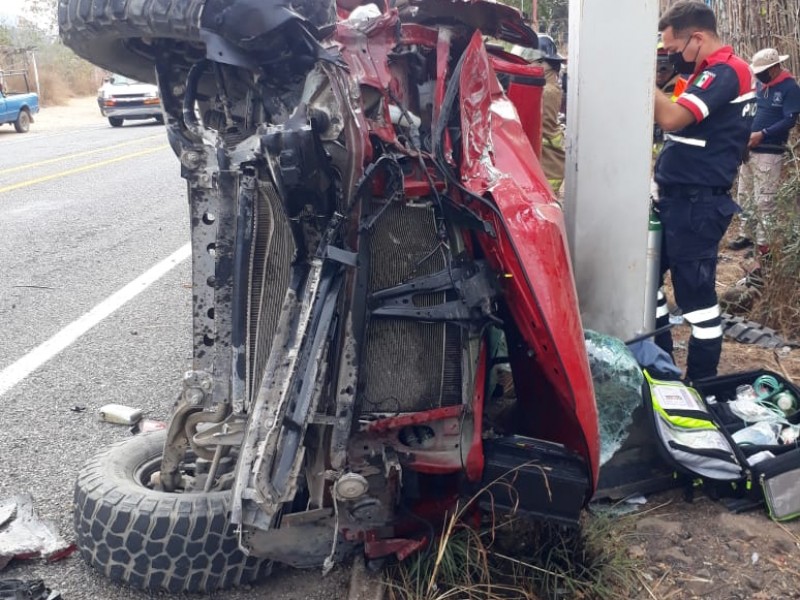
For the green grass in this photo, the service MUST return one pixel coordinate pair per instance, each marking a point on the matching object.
(511, 557)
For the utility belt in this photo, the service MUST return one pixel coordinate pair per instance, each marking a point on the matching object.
(769, 149)
(666, 191)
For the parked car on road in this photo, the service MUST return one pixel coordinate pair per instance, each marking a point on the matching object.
(121, 98)
(18, 109)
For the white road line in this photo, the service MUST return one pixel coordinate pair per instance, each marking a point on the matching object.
(16, 372)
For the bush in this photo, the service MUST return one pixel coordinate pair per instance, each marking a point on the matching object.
(779, 303)
(63, 75)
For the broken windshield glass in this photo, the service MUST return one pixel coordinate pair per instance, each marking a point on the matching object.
(617, 381)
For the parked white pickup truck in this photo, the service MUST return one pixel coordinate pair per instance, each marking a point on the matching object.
(121, 98)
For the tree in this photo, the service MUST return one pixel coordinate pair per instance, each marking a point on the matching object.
(5, 36)
(42, 14)
(552, 15)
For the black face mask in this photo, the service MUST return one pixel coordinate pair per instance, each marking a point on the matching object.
(681, 65)
(764, 76)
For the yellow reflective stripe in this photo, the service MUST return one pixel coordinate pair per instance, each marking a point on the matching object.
(683, 422)
(678, 421)
(555, 141)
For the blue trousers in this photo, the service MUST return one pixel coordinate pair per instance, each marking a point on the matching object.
(694, 219)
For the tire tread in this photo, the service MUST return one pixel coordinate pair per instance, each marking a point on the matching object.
(140, 537)
(98, 30)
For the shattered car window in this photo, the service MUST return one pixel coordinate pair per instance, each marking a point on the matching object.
(618, 383)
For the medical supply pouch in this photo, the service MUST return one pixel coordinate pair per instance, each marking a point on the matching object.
(749, 454)
(691, 439)
(775, 468)
(779, 480)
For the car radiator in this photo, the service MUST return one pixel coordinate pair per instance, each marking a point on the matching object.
(408, 365)
(273, 254)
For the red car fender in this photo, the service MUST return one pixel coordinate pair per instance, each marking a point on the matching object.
(530, 247)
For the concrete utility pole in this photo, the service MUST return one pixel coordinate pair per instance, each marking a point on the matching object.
(609, 151)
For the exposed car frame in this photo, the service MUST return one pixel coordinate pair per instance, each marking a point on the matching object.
(367, 213)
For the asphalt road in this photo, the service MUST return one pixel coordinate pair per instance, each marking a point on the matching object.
(84, 211)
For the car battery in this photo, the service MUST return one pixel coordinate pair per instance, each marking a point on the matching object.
(538, 478)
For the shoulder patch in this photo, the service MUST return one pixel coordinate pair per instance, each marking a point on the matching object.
(705, 79)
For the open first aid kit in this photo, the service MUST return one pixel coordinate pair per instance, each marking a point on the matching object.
(737, 433)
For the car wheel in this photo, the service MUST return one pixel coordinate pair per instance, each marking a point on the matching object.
(109, 33)
(23, 122)
(115, 121)
(154, 540)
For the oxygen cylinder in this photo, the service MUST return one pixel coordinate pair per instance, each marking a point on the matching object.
(653, 266)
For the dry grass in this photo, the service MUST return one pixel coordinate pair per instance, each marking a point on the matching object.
(59, 83)
(511, 557)
(779, 303)
(55, 90)
(517, 558)
(776, 303)
(62, 75)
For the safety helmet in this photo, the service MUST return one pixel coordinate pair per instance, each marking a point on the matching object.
(663, 64)
(547, 48)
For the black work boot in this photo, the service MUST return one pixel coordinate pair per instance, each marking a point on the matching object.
(740, 243)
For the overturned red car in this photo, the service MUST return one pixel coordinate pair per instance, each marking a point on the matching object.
(372, 236)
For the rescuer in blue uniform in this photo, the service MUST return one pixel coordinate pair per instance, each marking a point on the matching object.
(778, 102)
(707, 130)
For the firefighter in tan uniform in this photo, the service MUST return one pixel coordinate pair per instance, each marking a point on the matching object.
(553, 154)
(669, 81)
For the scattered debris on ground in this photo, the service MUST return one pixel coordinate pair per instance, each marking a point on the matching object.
(147, 425)
(19, 589)
(120, 415)
(24, 536)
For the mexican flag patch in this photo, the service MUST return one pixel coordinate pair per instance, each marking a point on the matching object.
(704, 80)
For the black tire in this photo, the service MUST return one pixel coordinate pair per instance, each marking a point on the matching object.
(115, 121)
(108, 32)
(105, 32)
(155, 540)
(23, 122)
